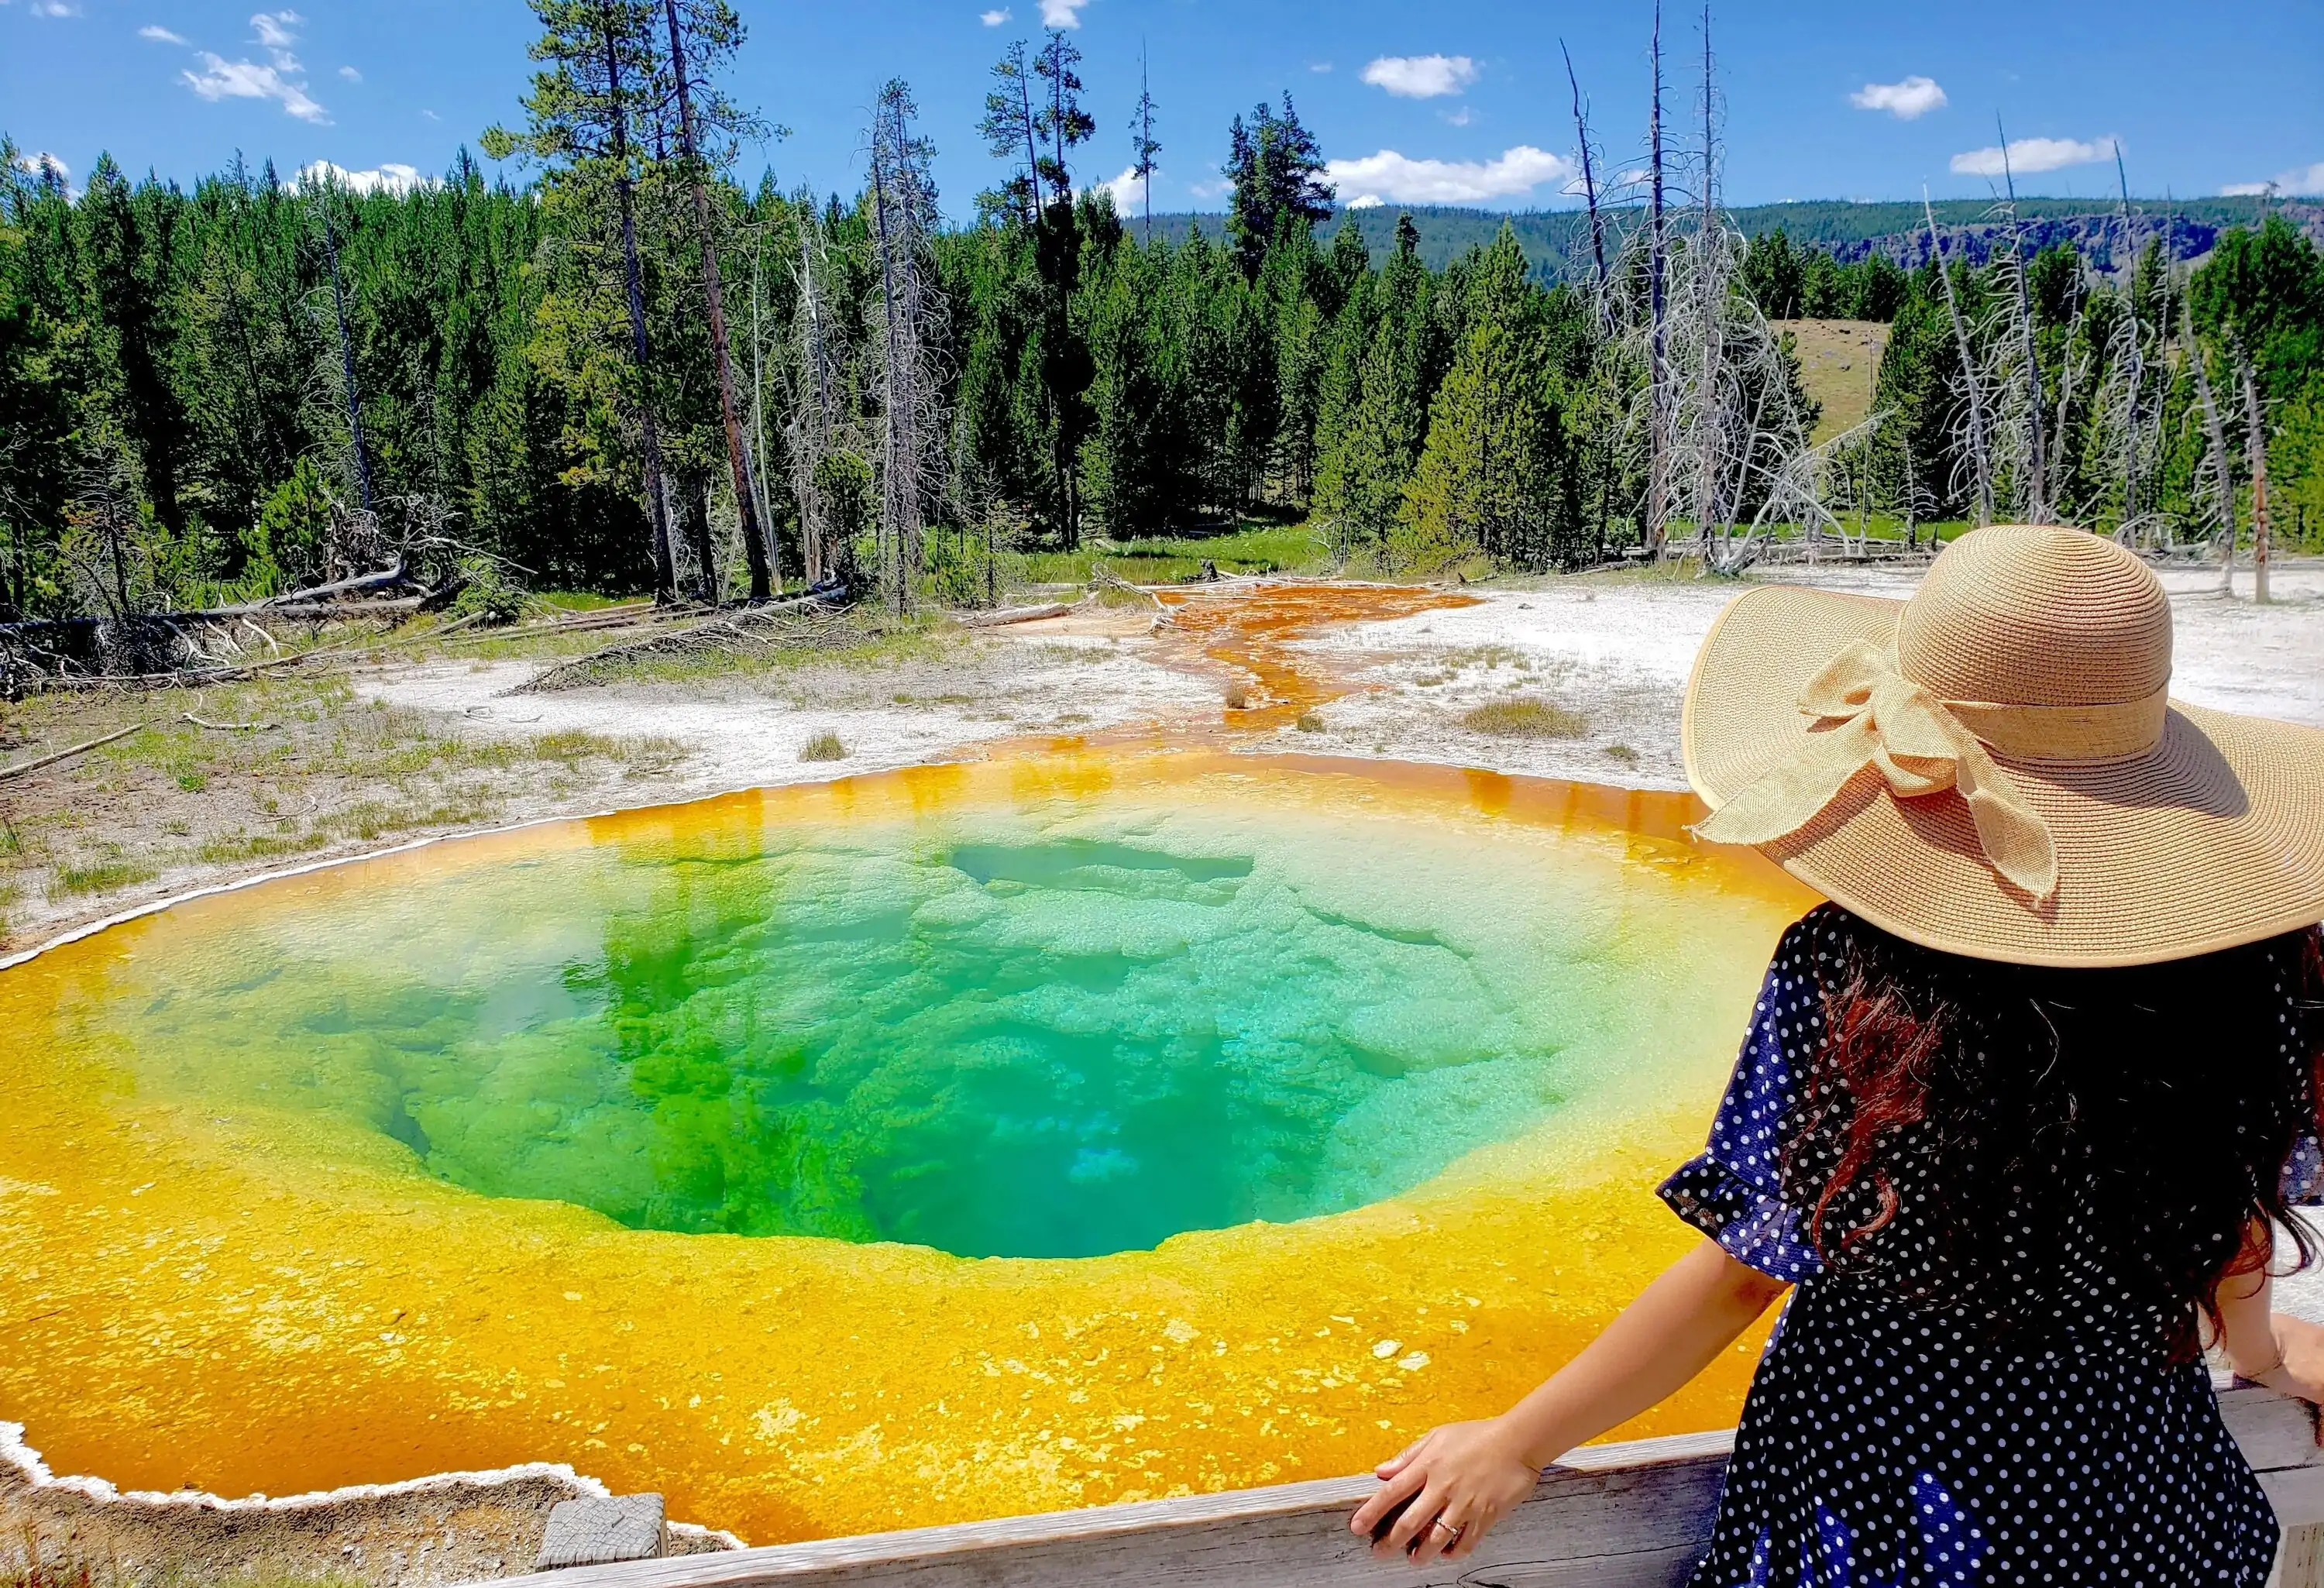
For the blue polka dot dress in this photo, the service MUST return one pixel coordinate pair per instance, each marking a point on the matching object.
(1888, 1446)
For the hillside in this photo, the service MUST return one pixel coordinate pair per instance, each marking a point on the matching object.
(1840, 359)
(1556, 240)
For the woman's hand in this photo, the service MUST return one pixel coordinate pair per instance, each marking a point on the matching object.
(1468, 1476)
(1462, 1479)
(2301, 1344)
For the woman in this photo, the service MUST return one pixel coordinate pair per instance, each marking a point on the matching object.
(2018, 1115)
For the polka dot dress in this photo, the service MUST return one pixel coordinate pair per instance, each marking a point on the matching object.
(1886, 1445)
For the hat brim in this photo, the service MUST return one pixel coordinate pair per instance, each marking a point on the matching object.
(2213, 838)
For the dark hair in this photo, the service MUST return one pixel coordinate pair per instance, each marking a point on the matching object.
(2010, 1103)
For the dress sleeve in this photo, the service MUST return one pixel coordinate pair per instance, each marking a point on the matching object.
(2303, 1175)
(1733, 1191)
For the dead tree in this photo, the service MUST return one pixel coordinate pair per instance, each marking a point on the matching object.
(1712, 286)
(2131, 361)
(759, 397)
(2256, 459)
(816, 419)
(349, 389)
(1589, 174)
(2039, 508)
(1658, 375)
(904, 218)
(2223, 475)
(714, 27)
(1979, 449)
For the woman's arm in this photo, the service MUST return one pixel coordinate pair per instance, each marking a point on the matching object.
(2266, 1346)
(1470, 1475)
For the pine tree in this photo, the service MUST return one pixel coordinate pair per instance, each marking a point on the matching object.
(1488, 479)
(600, 75)
(701, 33)
(1277, 169)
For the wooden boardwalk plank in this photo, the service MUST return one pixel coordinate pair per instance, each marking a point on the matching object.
(1610, 1515)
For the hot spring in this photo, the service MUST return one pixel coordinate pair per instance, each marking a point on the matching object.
(966, 1140)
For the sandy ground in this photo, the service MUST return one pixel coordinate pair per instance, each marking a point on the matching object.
(1612, 650)
(1616, 650)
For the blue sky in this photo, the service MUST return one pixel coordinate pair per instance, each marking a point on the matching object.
(1415, 103)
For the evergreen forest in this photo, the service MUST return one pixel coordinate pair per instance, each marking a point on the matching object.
(601, 359)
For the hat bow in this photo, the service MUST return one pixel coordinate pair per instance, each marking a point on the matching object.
(1878, 717)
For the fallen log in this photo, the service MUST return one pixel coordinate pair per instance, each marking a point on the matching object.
(1017, 614)
(22, 767)
(738, 626)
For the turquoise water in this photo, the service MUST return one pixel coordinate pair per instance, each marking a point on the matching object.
(1045, 1032)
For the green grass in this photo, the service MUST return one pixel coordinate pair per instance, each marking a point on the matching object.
(1310, 722)
(106, 875)
(823, 746)
(1524, 719)
(1623, 753)
(1255, 548)
(582, 600)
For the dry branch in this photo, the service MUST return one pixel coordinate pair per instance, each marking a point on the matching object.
(806, 621)
(22, 767)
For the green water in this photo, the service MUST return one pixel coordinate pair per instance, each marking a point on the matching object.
(1045, 1032)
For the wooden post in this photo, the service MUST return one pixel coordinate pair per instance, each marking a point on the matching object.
(1609, 1516)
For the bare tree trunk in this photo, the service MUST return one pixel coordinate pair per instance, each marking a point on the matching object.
(2136, 374)
(2255, 456)
(1912, 499)
(641, 345)
(1980, 454)
(764, 581)
(1658, 392)
(759, 405)
(2038, 504)
(2217, 434)
(347, 358)
(1710, 285)
(697, 525)
(891, 526)
(1589, 175)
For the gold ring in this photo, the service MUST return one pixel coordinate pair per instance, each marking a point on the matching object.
(1449, 1527)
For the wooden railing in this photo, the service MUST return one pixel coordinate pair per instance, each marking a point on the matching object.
(1609, 1516)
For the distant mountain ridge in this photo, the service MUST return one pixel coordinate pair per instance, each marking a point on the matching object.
(1556, 240)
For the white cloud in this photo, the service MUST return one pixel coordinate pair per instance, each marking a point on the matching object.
(1461, 117)
(1389, 176)
(993, 19)
(243, 79)
(1129, 190)
(2300, 180)
(1366, 201)
(2028, 155)
(1421, 76)
(1909, 100)
(159, 35)
(1062, 14)
(283, 80)
(350, 74)
(43, 161)
(387, 177)
(1320, 66)
(275, 28)
(55, 8)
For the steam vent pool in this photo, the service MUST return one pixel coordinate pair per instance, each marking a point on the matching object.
(944, 1144)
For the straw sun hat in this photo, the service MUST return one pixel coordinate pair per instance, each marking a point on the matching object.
(1994, 768)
